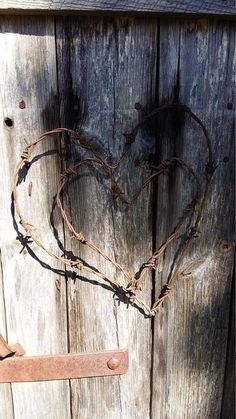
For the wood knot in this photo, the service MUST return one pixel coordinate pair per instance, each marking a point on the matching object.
(225, 246)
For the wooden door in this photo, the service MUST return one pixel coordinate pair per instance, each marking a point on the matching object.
(87, 73)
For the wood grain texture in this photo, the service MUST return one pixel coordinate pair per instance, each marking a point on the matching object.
(35, 311)
(105, 66)
(226, 7)
(190, 333)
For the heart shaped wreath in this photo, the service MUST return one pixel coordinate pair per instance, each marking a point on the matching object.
(131, 283)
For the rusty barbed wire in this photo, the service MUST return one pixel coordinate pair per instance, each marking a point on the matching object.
(132, 282)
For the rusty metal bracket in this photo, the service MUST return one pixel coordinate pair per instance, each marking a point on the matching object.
(7, 349)
(62, 366)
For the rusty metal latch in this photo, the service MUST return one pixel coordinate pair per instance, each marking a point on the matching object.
(20, 368)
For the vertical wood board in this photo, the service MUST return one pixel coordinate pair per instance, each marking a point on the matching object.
(106, 65)
(190, 334)
(5, 389)
(35, 310)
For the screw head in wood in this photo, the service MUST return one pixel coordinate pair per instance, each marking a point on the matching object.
(22, 104)
(138, 106)
(230, 106)
(113, 363)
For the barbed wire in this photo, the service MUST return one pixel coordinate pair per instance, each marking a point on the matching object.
(131, 283)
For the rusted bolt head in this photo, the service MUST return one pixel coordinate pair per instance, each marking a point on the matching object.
(113, 363)
(22, 104)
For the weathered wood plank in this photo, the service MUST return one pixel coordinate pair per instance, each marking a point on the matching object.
(6, 409)
(190, 333)
(35, 309)
(228, 403)
(155, 6)
(105, 66)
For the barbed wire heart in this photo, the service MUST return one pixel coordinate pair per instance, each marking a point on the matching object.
(131, 286)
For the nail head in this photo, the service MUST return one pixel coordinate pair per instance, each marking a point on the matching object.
(113, 363)
(138, 106)
(22, 104)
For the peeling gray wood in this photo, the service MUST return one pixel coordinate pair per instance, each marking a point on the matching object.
(35, 311)
(190, 332)
(220, 7)
(106, 66)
